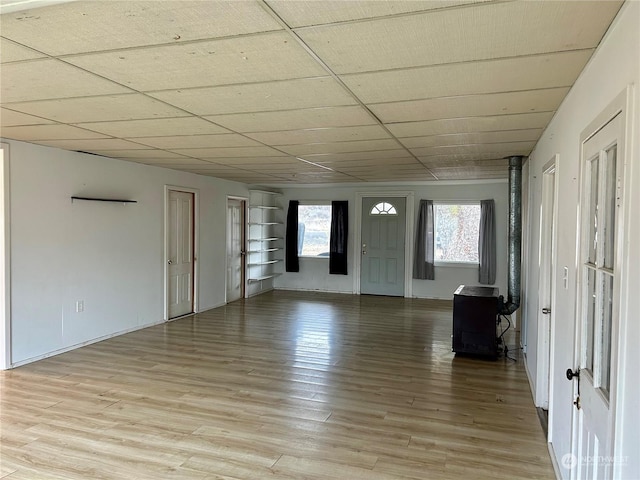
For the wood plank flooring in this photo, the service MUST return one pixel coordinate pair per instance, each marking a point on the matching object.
(286, 385)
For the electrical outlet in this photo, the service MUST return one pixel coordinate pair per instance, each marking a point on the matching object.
(80, 306)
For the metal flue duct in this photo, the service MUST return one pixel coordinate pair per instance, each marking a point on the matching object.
(515, 237)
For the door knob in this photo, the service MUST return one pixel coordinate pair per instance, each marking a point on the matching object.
(169, 262)
(571, 374)
(546, 311)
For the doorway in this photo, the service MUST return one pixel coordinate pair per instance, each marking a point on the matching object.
(382, 252)
(5, 260)
(597, 325)
(236, 248)
(546, 284)
(180, 249)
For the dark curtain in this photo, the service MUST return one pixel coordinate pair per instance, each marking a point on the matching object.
(339, 237)
(291, 238)
(487, 243)
(423, 267)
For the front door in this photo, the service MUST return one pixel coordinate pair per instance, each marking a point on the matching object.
(180, 253)
(235, 249)
(600, 264)
(382, 252)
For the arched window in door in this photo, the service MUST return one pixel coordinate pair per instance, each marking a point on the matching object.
(383, 208)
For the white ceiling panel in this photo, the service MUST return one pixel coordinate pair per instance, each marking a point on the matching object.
(155, 127)
(140, 154)
(259, 58)
(504, 75)
(285, 95)
(496, 149)
(472, 138)
(229, 152)
(497, 162)
(459, 158)
(319, 135)
(48, 78)
(89, 26)
(484, 31)
(89, 145)
(197, 141)
(340, 164)
(365, 156)
(95, 109)
(241, 161)
(340, 147)
(520, 121)
(295, 119)
(9, 118)
(470, 105)
(48, 132)
(12, 52)
(171, 162)
(305, 13)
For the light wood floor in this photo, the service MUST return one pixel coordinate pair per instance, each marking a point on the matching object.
(281, 386)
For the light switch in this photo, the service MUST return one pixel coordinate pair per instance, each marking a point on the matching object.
(565, 278)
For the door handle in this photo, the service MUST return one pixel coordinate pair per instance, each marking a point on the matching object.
(364, 248)
(169, 262)
(573, 374)
(546, 311)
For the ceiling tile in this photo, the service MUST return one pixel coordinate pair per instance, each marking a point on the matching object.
(485, 31)
(283, 160)
(260, 58)
(504, 75)
(372, 155)
(48, 78)
(471, 138)
(89, 145)
(12, 52)
(131, 24)
(496, 162)
(170, 162)
(379, 162)
(497, 149)
(304, 13)
(229, 152)
(48, 132)
(103, 108)
(470, 105)
(285, 95)
(155, 127)
(140, 154)
(339, 147)
(9, 118)
(519, 121)
(318, 135)
(295, 119)
(452, 158)
(196, 141)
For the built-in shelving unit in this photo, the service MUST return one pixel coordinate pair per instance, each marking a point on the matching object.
(99, 199)
(266, 240)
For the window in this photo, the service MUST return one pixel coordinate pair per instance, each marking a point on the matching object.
(383, 208)
(456, 233)
(314, 229)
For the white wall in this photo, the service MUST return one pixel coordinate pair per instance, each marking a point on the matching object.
(108, 255)
(615, 65)
(314, 272)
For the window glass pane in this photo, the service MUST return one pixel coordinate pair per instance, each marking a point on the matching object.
(590, 322)
(314, 228)
(593, 212)
(609, 233)
(383, 208)
(456, 233)
(605, 361)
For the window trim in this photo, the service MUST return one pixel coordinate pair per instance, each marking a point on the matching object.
(314, 203)
(452, 263)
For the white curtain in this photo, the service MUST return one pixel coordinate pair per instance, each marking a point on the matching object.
(423, 258)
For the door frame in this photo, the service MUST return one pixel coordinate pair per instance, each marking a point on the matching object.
(408, 241)
(622, 105)
(196, 246)
(5, 260)
(548, 270)
(245, 202)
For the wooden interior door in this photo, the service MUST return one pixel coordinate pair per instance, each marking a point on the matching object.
(180, 253)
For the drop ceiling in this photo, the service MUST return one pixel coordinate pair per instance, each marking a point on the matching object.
(295, 92)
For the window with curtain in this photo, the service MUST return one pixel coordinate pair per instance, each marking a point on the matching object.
(291, 261)
(339, 237)
(456, 231)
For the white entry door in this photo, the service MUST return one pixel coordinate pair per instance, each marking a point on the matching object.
(599, 303)
(383, 238)
(235, 249)
(180, 253)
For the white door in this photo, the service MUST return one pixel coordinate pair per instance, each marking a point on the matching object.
(180, 253)
(545, 283)
(383, 235)
(235, 249)
(597, 324)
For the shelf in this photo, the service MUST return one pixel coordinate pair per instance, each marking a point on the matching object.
(263, 250)
(266, 192)
(266, 223)
(266, 262)
(270, 239)
(96, 199)
(264, 207)
(263, 277)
